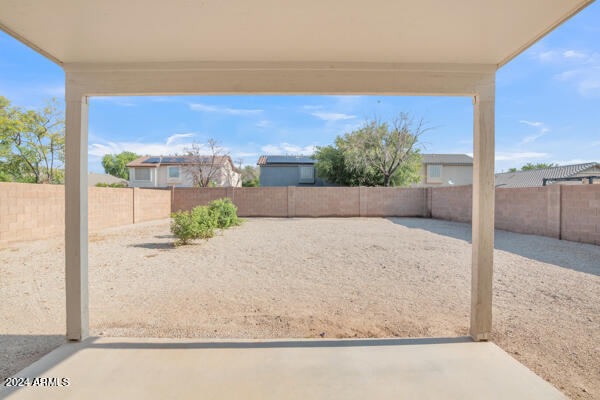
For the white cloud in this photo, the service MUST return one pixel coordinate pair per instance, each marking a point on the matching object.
(595, 143)
(169, 147)
(242, 154)
(332, 117)
(264, 123)
(574, 54)
(548, 56)
(586, 80)
(178, 136)
(574, 161)
(512, 156)
(531, 123)
(286, 148)
(223, 110)
(531, 138)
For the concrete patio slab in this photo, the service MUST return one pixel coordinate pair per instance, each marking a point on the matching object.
(117, 368)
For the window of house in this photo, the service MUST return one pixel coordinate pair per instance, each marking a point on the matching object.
(142, 174)
(173, 172)
(434, 174)
(307, 174)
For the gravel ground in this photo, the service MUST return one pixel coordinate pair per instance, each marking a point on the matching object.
(352, 277)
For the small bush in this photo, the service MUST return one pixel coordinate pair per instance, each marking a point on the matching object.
(201, 222)
(196, 224)
(225, 213)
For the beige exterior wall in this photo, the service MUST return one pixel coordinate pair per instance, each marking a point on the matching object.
(459, 174)
(32, 212)
(159, 177)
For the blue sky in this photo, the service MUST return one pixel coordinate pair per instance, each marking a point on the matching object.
(547, 109)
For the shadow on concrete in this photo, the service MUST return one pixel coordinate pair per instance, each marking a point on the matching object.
(18, 351)
(580, 257)
(281, 343)
(24, 355)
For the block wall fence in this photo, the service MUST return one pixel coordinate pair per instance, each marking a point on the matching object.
(31, 212)
(570, 212)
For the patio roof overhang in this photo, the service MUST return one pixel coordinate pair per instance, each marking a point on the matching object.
(487, 32)
(426, 47)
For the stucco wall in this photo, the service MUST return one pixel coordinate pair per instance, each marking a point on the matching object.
(223, 177)
(31, 212)
(278, 175)
(459, 174)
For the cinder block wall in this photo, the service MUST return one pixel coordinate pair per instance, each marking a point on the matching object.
(32, 212)
(395, 202)
(151, 204)
(580, 213)
(187, 198)
(109, 207)
(310, 201)
(326, 202)
(266, 202)
(453, 203)
(534, 210)
(571, 212)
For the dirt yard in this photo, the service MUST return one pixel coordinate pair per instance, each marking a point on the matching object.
(330, 277)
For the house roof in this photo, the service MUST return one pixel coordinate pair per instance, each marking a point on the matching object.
(94, 178)
(426, 31)
(535, 177)
(156, 161)
(270, 160)
(453, 159)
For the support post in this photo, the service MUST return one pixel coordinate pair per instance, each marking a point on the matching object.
(76, 216)
(483, 213)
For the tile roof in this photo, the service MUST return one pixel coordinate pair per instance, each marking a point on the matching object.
(455, 159)
(535, 177)
(95, 178)
(263, 160)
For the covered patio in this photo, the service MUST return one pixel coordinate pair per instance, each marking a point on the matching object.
(312, 47)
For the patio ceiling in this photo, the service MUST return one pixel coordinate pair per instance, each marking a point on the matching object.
(379, 31)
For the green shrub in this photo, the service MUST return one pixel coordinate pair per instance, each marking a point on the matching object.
(112, 185)
(199, 223)
(225, 213)
(206, 222)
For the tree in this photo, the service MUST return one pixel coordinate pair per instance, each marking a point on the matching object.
(204, 169)
(115, 164)
(377, 154)
(32, 143)
(250, 176)
(530, 166)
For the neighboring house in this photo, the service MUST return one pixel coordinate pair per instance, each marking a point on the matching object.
(95, 178)
(566, 174)
(163, 171)
(446, 170)
(288, 171)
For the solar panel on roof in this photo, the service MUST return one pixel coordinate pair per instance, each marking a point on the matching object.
(152, 160)
(289, 160)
